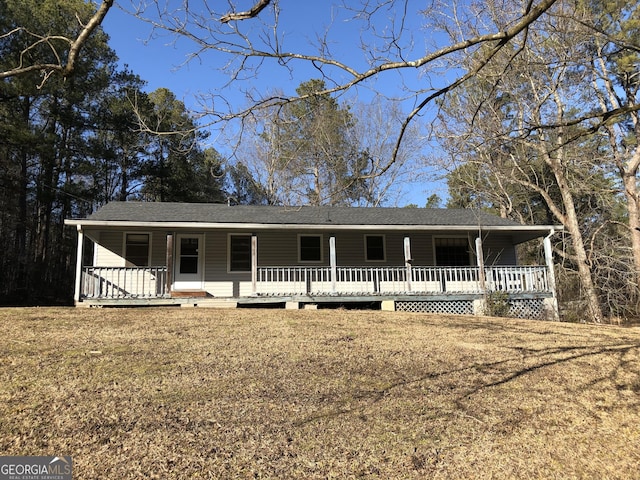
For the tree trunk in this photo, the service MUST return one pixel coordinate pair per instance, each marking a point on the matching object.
(572, 226)
(631, 196)
(21, 276)
(124, 182)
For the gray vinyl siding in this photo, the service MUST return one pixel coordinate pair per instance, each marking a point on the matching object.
(109, 252)
(499, 250)
(421, 248)
(158, 248)
(217, 281)
(110, 249)
(112, 240)
(277, 248)
(215, 262)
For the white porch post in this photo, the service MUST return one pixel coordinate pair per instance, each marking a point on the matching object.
(480, 260)
(333, 263)
(480, 304)
(254, 264)
(169, 264)
(79, 255)
(407, 261)
(548, 256)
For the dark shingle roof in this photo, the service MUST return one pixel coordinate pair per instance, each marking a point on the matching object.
(275, 215)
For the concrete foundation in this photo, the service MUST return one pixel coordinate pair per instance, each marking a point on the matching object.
(479, 306)
(388, 305)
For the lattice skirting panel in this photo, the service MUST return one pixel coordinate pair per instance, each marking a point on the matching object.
(532, 308)
(455, 307)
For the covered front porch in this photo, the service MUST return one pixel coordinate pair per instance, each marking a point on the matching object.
(452, 290)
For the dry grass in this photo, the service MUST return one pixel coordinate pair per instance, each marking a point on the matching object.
(184, 393)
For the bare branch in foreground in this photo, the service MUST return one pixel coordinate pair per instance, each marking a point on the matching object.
(75, 46)
(254, 12)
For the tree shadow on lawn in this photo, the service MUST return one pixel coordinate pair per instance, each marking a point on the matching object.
(498, 373)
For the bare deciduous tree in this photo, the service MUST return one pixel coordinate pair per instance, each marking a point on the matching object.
(375, 131)
(248, 40)
(530, 119)
(372, 130)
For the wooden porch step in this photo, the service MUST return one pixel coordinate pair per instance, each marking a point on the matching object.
(217, 303)
(188, 293)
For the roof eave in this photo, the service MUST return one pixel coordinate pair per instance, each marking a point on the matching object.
(535, 230)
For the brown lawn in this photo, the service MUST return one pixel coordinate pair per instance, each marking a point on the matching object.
(197, 393)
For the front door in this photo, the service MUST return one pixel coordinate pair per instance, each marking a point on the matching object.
(189, 263)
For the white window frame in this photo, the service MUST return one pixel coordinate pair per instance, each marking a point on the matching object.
(124, 247)
(317, 235)
(236, 234)
(384, 248)
(472, 255)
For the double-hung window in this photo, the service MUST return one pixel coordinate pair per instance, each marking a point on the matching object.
(137, 249)
(310, 248)
(453, 252)
(374, 248)
(239, 253)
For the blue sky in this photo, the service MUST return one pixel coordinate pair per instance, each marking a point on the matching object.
(160, 61)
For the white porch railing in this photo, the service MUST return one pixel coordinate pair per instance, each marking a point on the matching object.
(398, 280)
(123, 282)
(525, 279)
(150, 282)
(293, 280)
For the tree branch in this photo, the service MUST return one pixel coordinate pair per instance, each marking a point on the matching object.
(503, 39)
(75, 46)
(254, 12)
(88, 29)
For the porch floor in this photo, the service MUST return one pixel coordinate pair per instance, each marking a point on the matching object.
(270, 300)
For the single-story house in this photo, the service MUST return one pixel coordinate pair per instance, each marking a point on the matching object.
(412, 259)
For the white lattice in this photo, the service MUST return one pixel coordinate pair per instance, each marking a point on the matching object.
(532, 308)
(455, 307)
